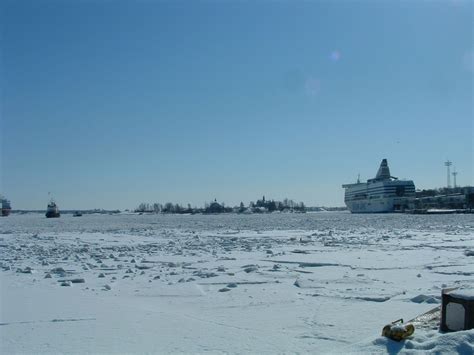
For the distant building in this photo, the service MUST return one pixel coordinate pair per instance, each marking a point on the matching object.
(215, 207)
(459, 198)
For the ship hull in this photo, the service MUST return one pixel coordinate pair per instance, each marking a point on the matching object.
(386, 205)
(52, 211)
(5, 212)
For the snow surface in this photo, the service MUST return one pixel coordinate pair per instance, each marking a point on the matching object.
(465, 294)
(431, 342)
(286, 283)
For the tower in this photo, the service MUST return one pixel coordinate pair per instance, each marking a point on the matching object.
(448, 164)
(454, 176)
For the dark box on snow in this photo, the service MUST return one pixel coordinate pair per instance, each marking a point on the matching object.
(457, 310)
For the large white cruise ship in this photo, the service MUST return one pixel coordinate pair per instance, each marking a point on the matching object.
(384, 193)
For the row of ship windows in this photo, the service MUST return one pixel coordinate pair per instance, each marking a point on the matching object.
(379, 193)
(386, 188)
(389, 190)
(364, 197)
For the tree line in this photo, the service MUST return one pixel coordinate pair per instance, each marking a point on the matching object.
(261, 206)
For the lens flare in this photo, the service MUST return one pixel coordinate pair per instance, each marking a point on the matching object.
(335, 56)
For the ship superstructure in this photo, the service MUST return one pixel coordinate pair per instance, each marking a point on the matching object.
(384, 193)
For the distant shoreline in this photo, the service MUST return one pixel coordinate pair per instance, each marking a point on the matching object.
(308, 210)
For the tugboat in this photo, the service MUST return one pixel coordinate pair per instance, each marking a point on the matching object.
(6, 207)
(77, 214)
(52, 211)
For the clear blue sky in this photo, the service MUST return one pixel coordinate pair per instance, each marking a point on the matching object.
(110, 103)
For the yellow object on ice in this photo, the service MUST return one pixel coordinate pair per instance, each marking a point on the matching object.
(398, 331)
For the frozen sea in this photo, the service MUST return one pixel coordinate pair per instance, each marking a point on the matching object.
(272, 283)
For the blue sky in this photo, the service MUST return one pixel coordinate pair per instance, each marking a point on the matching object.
(110, 103)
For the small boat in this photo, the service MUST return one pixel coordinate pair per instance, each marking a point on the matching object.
(77, 214)
(6, 207)
(52, 210)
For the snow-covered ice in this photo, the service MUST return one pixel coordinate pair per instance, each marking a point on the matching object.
(279, 283)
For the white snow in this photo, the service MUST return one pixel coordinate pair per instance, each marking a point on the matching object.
(431, 342)
(276, 283)
(465, 294)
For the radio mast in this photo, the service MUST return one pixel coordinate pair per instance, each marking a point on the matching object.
(448, 164)
(454, 176)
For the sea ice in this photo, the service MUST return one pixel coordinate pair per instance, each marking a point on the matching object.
(355, 274)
